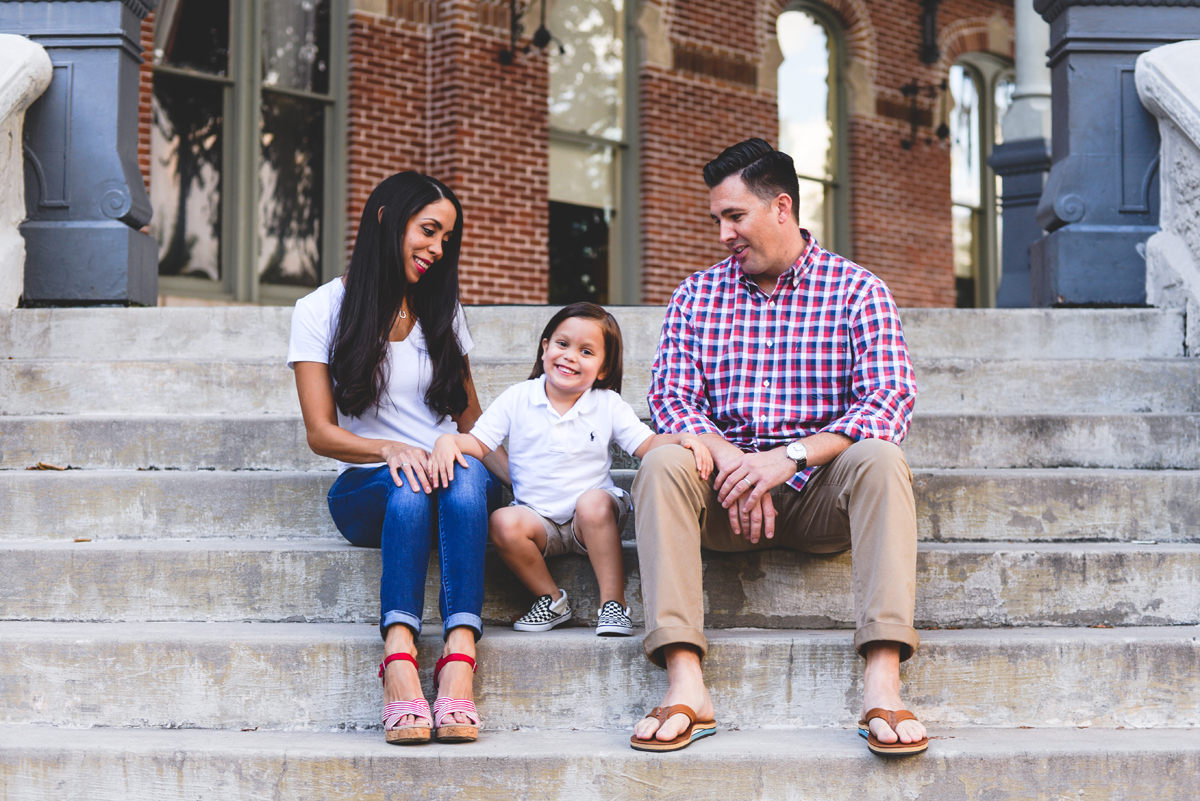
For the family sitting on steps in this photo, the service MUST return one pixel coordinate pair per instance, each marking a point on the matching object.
(782, 385)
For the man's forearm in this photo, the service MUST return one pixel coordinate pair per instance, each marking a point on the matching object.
(825, 446)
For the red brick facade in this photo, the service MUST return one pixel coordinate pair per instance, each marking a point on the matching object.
(426, 92)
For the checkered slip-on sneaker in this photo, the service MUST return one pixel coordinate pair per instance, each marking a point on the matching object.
(545, 614)
(614, 621)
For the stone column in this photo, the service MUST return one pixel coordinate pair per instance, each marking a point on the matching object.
(1100, 204)
(85, 200)
(1023, 160)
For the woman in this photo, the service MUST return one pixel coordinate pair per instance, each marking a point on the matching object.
(381, 369)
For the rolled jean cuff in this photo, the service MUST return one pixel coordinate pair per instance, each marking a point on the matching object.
(396, 616)
(473, 622)
(890, 632)
(654, 641)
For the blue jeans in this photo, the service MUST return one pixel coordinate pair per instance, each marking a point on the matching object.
(371, 511)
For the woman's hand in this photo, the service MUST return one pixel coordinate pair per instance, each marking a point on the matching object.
(704, 459)
(445, 453)
(412, 460)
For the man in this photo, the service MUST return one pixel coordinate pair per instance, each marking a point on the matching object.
(790, 364)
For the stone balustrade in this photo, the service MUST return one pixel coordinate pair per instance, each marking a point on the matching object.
(25, 72)
(1168, 87)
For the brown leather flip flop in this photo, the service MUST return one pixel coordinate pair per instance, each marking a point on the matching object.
(695, 730)
(892, 719)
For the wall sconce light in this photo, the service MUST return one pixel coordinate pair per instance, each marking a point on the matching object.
(930, 53)
(541, 37)
(912, 91)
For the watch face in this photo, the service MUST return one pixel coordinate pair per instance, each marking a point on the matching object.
(796, 451)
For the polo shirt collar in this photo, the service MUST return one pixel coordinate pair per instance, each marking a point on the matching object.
(587, 401)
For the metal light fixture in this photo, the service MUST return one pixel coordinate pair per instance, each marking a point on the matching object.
(912, 91)
(930, 52)
(542, 37)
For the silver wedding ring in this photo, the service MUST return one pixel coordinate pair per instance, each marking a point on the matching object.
(403, 465)
(748, 484)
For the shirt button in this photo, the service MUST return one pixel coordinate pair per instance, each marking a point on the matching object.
(769, 343)
(766, 383)
(771, 304)
(762, 418)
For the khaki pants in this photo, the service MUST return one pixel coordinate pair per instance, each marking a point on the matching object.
(862, 500)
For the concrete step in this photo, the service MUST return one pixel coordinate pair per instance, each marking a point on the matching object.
(958, 584)
(179, 386)
(509, 333)
(322, 677)
(42, 763)
(952, 505)
(278, 442)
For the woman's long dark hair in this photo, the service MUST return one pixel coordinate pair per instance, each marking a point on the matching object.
(376, 283)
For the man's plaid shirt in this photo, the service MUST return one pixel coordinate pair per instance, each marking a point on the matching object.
(825, 352)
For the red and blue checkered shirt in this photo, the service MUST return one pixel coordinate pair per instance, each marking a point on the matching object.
(824, 352)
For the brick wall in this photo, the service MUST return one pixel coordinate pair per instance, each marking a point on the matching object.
(900, 224)
(427, 93)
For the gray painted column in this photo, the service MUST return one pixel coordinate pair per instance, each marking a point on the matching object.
(1023, 160)
(84, 195)
(1100, 204)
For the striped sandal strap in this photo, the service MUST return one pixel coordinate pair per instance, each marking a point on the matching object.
(445, 707)
(395, 710)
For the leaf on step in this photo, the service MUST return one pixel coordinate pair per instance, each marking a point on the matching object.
(1099, 626)
(83, 539)
(45, 466)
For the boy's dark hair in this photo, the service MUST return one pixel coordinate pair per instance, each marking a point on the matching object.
(611, 368)
(767, 172)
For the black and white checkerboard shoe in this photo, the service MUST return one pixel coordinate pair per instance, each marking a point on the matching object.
(545, 614)
(614, 621)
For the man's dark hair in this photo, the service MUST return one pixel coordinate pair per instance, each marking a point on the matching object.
(767, 172)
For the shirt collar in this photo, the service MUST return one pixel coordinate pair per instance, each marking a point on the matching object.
(792, 275)
(587, 401)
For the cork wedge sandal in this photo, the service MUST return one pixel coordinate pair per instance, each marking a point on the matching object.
(445, 728)
(394, 711)
(892, 719)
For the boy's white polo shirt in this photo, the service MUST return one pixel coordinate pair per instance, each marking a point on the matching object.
(553, 458)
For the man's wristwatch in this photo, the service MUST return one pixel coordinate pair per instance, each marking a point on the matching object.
(798, 453)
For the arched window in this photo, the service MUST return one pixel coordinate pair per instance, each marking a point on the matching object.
(812, 119)
(981, 89)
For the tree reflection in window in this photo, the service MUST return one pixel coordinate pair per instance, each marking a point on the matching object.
(295, 76)
(187, 137)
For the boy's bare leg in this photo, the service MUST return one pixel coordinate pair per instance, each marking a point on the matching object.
(520, 538)
(685, 685)
(596, 529)
(881, 688)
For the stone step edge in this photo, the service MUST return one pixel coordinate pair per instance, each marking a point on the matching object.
(49, 763)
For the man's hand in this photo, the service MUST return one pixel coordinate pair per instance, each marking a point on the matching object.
(753, 520)
(743, 487)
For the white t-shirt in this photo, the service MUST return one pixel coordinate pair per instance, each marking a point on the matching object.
(401, 413)
(552, 458)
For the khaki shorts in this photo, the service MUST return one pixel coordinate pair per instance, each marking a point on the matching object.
(560, 537)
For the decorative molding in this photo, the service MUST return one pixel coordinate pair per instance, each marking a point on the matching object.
(656, 45)
(1052, 9)
(714, 65)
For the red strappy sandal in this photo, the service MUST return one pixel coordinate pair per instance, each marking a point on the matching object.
(444, 708)
(413, 733)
